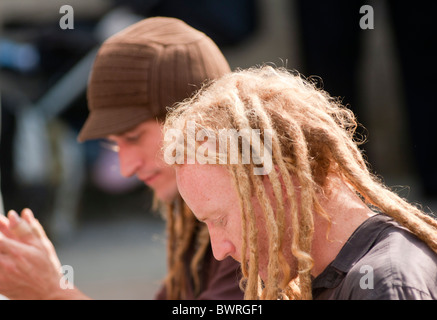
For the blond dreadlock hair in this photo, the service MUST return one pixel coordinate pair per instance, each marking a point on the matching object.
(313, 136)
(183, 230)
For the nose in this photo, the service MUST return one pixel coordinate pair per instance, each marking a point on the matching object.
(130, 161)
(221, 246)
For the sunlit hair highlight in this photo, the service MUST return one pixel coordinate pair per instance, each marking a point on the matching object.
(184, 232)
(313, 139)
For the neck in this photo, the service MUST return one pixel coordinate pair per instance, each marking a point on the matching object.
(347, 212)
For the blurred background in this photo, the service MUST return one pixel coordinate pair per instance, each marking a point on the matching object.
(102, 224)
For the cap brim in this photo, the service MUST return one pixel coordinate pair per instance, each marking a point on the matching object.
(104, 122)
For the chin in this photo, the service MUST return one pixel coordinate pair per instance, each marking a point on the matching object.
(166, 196)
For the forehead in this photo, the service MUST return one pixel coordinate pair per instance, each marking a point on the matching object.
(205, 187)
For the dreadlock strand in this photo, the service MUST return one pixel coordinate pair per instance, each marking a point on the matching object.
(240, 183)
(307, 198)
(390, 203)
(273, 234)
(277, 261)
(274, 224)
(252, 287)
(203, 242)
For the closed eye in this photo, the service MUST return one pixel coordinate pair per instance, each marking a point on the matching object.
(133, 138)
(221, 221)
(218, 222)
(134, 135)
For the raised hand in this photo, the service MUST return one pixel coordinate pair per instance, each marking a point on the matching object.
(29, 266)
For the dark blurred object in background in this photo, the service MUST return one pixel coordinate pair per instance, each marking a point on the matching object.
(332, 48)
(227, 22)
(34, 144)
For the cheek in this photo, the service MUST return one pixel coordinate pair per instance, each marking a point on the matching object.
(169, 174)
(167, 186)
(151, 148)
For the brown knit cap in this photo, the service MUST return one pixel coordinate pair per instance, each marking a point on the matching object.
(145, 68)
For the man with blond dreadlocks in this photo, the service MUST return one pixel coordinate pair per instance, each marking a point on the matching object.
(137, 74)
(315, 224)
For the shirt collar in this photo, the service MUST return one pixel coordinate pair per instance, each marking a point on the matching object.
(358, 244)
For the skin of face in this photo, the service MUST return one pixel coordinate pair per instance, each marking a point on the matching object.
(209, 192)
(140, 154)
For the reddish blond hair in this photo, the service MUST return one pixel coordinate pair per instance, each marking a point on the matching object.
(313, 136)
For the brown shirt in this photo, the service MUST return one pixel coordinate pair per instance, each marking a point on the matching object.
(380, 261)
(220, 280)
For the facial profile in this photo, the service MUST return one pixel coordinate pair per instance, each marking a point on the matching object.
(140, 155)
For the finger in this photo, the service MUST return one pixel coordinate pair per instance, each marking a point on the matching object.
(27, 215)
(8, 246)
(5, 228)
(38, 236)
(13, 217)
(19, 227)
(37, 228)
(4, 225)
(2, 252)
(4, 222)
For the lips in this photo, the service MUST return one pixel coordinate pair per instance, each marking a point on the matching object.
(149, 179)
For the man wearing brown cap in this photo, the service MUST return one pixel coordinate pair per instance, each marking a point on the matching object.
(137, 74)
